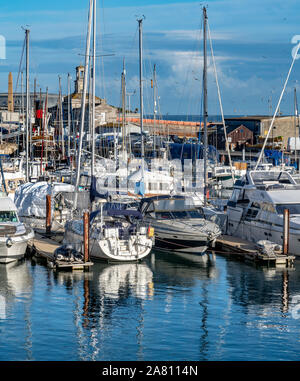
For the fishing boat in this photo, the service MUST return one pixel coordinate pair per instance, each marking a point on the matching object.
(256, 208)
(180, 227)
(14, 235)
(115, 235)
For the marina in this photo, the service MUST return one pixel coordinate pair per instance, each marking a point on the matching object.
(128, 234)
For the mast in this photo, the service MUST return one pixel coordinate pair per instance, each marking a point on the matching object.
(61, 122)
(154, 109)
(123, 111)
(83, 101)
(140, 21)
(27, 102)
(205, 100)
(296, 122)
(93, 90)
(44, 116)
(69, 116)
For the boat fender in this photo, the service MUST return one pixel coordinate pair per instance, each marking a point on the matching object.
(9, 242)
(150, 232)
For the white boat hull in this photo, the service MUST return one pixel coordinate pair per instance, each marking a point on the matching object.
(256, 231)
(112, 249)
(17, 250)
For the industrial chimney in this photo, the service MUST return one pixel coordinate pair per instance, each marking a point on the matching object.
(10, 98)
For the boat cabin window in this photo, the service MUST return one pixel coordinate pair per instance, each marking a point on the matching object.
(8, 216)
(235, 195)
(195, 214)
(293, 208)
(252, 211)
(180, 215)
(164, 216)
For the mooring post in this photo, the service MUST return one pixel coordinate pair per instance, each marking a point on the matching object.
(86, 223)
(48, 215)
(286, 231)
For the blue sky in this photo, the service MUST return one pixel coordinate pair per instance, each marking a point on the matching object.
(251, 41)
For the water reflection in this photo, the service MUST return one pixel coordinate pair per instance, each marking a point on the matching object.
(271, 288)
(16, 285)
(182, 272)
(15, 282)
(165, 308)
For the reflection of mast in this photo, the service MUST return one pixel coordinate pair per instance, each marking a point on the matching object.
(285, 292)
(203, 337)
(86, 302)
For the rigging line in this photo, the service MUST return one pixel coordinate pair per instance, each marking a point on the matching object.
(189, 69)
(220, 102)
(276, 111)
(21, 61)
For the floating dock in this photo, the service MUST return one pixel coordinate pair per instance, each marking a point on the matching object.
(44, 247)
(247, 250)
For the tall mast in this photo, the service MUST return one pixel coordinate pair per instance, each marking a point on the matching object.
(27, 102)
(123, 110)
(94, 89)
(140, 21)
(296, 122)
(205, 100)
(83, 100)
(154, 109)
(69, 116)
(61, 122)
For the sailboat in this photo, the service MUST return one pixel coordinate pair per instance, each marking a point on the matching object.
(115, 234)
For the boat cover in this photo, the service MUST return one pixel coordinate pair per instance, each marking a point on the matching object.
(30, 198)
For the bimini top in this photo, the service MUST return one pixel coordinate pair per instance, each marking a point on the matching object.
(166, 203)
(118, 213)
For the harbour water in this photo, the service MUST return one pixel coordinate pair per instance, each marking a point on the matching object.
(163, 309)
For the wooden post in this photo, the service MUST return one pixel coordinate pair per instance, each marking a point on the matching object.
(48, 214)
(86, 223)
(286, 231)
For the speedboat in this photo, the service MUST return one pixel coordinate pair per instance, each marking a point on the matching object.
(115, 235)
(256, 208)
(179, 226)
(14, 235)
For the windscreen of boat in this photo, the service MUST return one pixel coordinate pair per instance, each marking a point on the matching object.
(8, 216)
(293, 208)
(264, 177)
(180, 215)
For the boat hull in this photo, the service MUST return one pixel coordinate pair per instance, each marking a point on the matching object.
(256, 231)
(10, 253)
(111, 249)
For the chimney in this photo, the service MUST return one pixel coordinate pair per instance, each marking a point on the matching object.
(10, 98)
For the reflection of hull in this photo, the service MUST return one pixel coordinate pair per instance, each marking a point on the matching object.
(138, 277)
(190, 256)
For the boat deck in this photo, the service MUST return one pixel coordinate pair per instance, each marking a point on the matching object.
(247, 250)
(43, 247)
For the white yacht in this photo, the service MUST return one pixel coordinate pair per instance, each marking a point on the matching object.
(14, 235)
(115, 235)
(255, 209)
(179, 226)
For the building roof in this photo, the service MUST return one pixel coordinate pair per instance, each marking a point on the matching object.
(256, 117)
